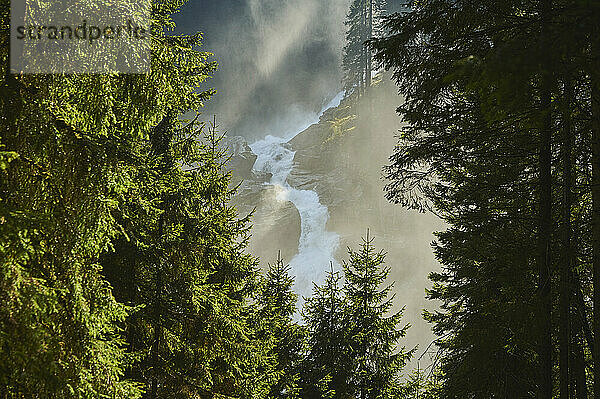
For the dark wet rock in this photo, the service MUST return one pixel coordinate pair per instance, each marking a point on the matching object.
(241, 159)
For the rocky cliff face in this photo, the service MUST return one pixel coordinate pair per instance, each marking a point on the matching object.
(341, 158)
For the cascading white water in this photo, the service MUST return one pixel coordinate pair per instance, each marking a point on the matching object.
(317, 246)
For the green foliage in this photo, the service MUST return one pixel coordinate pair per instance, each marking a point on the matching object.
(420, 386)
(372, 333)
(362, 23)
(6, 157)
(352, 337)
(277, 303)
(486, 85)
(339, 127)
(327, 365)
(180, 263)
(121, 263)
(353, 61)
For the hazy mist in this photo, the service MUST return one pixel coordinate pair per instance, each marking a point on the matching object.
(279, 65)
(278, 59)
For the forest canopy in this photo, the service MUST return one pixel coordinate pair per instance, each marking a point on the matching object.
(124, 270)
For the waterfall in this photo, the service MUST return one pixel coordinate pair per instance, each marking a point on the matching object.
(317, 246)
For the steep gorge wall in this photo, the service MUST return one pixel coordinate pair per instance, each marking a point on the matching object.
(341, 158)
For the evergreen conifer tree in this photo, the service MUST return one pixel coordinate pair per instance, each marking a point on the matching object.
(372, 333)
(327, 366)
(278, 307)
(475, 77)
(353, 340)
(363, 22)
(180, 262)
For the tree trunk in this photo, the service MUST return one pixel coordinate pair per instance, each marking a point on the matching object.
(545, 219)
(565, 266)
(595, 81)
(544, 258)
(580, 325)
(369, 33)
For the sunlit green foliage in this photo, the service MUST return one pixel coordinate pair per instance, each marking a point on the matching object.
(276, 303)
(105, 190)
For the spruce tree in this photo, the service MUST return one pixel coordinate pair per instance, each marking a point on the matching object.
(327, 366)
(353, 57)
(485, 135)
(352, 349)
(277, 302)
(181, 264)
(363, 22)
(372, 333)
